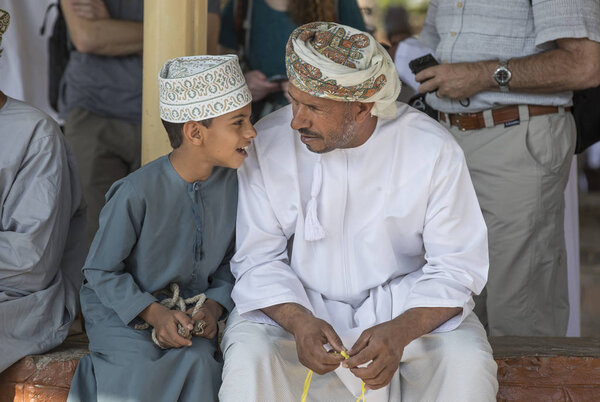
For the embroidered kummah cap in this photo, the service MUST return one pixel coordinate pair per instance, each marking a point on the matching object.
(335, 61)
(201, 87)
(4, 21)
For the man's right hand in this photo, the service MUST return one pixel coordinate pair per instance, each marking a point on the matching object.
(311, 334)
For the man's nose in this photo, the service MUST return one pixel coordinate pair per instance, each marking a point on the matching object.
(299, 119)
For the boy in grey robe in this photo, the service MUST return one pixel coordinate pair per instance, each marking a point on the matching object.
(42, 219)
(171, 221)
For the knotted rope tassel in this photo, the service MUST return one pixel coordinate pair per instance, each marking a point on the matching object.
(345, 355)
(312, 227)
(176, 302)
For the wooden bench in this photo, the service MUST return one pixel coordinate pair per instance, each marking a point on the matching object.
(529, 369)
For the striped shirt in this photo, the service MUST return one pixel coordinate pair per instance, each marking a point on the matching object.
(474, 30)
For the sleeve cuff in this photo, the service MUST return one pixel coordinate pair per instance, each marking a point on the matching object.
(223, 297)
(136, 308)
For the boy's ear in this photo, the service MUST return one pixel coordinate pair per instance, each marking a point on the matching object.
(194, 132)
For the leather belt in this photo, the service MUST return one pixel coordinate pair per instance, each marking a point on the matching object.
(507, 114)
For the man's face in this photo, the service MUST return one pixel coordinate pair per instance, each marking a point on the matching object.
(323, 124)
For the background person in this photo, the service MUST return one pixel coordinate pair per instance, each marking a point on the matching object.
(503, 89)
(41, 230)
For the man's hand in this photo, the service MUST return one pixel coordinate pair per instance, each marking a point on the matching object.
(310, 335)
(165, 323)
(209, 313)
(383, 346)
(259, 86)
(457, 80)
(90, 9)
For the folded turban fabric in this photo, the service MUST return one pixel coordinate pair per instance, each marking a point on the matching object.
(335, 61)
(4, 21)
(201, 87)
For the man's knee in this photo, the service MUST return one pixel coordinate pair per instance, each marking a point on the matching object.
(247, 347)
(466, 348)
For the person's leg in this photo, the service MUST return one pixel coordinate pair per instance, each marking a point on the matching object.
(519, 174)
(105, 151)
(261, 364)
(450, 366)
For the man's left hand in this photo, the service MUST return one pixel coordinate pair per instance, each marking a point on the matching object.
(383, 345)
(456, 80)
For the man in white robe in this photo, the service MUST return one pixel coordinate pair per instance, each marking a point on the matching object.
(358, 230)
(42, 219)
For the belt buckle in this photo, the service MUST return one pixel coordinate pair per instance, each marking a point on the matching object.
(458, 116)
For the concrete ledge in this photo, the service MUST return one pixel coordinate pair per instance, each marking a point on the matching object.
(529, 369)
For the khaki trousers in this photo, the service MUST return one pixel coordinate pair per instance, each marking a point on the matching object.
(261, 364)
(106, 150)
(519, 174)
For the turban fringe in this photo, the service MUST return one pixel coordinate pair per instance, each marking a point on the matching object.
(334, 61)
(4, 22)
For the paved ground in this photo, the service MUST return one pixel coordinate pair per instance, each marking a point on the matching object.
(589, 237)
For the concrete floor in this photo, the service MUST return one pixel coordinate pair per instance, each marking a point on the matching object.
(589, 237)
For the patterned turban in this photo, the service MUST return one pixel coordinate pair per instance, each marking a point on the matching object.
(201, 87)
(4, 21)
(338, 62)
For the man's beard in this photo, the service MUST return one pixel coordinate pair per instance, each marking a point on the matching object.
(341, 137)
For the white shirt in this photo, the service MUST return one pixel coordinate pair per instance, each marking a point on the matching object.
(403, 227)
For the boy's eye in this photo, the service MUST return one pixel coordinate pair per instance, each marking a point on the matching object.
(238, 122)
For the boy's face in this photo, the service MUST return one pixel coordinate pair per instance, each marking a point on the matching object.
(228, 136)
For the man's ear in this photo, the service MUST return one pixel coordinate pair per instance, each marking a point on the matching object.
(194, 132)
(362, 110)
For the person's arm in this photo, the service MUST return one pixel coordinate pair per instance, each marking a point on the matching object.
(574, 65)
(221, 284)
(104, 36)
(384, 343)
(456, 252)
(36, 213)
(267, 288)
(311, 334)
(105, 269)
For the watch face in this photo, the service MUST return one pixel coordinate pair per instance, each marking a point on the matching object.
(502, 75)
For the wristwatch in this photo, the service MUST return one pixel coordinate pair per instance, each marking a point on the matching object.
(502, 75)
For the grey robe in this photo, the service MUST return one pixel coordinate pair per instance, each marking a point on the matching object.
(42, 220)
(155, 229)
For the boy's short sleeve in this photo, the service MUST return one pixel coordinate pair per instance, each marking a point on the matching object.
(120, 225)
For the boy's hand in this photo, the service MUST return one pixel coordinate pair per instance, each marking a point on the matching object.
(209, 313)
(165, 323)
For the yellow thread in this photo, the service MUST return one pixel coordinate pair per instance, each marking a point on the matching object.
(345, 355)
(306, 385)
